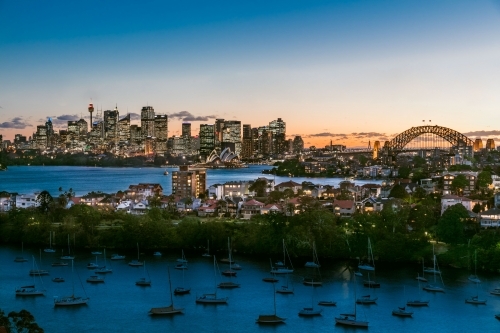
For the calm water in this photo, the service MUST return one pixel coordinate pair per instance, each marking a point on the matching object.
(118, 304)
(28, 179)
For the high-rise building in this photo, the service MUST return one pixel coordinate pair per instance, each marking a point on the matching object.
(149, 146)
(148, 121)
(278, 135)
(83, 127)
(91, 110)
(231, 136)
(219, 126)
(247, 142)
(186, 137)
(189, 182)
(255, 141)
(111, 125)
(298, 144)
(135, 134)
(124, 129)
(161, 127)
(265, 142)
(41, 137)
(73, 128)
(186, 130)
(490, 144)
(1, 141)
(478, 144)
(207, 140)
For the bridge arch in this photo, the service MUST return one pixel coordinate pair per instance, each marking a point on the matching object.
(455, 138)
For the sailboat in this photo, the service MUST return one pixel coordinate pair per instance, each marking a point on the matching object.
(417, 302)
(367, 299)
(143, 281)
(475, 299)
(71, 300)
(435, 270)
(310, 311)
(182, 290)
(229, 272)
(93, 265)
(422, 278)
(182, 262)
(351, 319)
(136, 263)
(495, 292)
(21, 258)
(69, 256)
(271, 319)
(31, 290)
(370, 265)
(212, 298)
(285, 289)
(40, 271)
(167, 310)
(104, 269)
(315, 262)
(50, 249)
(95, 279)
(281, 267)
(401, 310)
(207, 254)
(473, 277)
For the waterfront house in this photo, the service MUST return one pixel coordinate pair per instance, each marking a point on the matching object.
(92, 198)
(295, 187)
(251, 208)
(343, 208)
(490, 218)
(142, 191)
(6, 201)
(450, 200)
(27, 200)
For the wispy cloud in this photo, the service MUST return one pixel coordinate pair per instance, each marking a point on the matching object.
(482, 133)
(16, 122)
(188, 116)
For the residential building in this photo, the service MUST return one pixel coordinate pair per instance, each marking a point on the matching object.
(189, 182)
(451, 200)
(490, 218)
(343, 208)
(143, 191)
(298, 144)
(251, 208)
(471, 182)
(295, 187)
(27, 201)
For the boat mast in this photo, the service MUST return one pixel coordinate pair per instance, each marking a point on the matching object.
(72, 278)
(170, 287)
(284, 257)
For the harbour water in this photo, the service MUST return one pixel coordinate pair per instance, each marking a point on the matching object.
(120, 305)
(29, 179)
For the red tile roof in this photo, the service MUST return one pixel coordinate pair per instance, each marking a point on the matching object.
(344, 204)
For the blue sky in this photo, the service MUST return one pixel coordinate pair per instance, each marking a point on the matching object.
(347, 71)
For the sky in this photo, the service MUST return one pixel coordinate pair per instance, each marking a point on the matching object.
(345, 71)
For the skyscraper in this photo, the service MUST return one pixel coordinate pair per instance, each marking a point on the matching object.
(161, 127)
(111, 125)
(278, 135)
(219, 125)
(231, 136)
(147, 121)
(186, 137)
(247, 142)
(83, 128)
(124, 129)
(207, 140)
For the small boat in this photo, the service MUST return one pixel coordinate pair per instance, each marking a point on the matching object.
(50, 249)
(473, 277)
(182, 291)
(143, 282)
(367, 299)
(58, 279)
(21, 258)
(136, 263)
(285, 289)
(103, 269)
(182, 259)
(117, 257)
(351, 319)
(229, 272)
(226, 261)
(95, 279)
(358, 273)
(228, 285)
(31, 290)
(271, 319)
(370, 265)
(55, 264)
(327, 303)
(96, 253)
(315, 262)
(401, 312)
(207, 254)
(69, 256)
(475, 300)
(270, 279)
(165, 173)
(157, 254)
(371, 284)
(236, 267)
(308, 281)
(71, 300)
(181, 266)
(310, 312)
(495, 292)
(417, 302)
(92, 265)
(434, 270)
(422, 278)
(212, 298)
(281, 265)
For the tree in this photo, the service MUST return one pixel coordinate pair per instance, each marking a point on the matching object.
(484, 179)
(398, 191)
(17, 322)
(477, 208)
(44, 199)
(450, 228)
(458, 184)
(404, 172)
(259, 187)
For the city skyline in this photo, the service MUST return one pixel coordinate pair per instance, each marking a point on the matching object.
(350, 69)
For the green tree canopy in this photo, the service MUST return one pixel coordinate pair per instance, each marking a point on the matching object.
(398, 191)
(484, 179)
(259, 187)
(19, 322)
(450, 227)
(458, 184)
(404, 172)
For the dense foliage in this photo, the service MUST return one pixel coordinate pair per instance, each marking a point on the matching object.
(19, 322)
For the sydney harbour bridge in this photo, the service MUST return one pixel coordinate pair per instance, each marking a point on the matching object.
(418, 139)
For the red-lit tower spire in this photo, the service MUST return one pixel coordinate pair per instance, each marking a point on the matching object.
(91, 109)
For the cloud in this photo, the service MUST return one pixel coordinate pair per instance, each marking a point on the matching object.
(482, 133)
(188, 116)
(17, 123)
(325, 134)
(134, 116)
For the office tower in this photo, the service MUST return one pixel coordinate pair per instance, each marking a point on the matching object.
(97, 133)
(189, 182)
(111, 125)
(231, 136)
(278, 135)
(148, 146)
(124, 129)
(186, 137)
(148, 121)
(73, 128)
(265, 142)
(277, 126)
(41, 137)
(1, 142)
(186, 130)
(207, 140)
(135, 134)
(91, 110)
(83, 127)
(247, 142)
(490, 144)
(161, 127)
(298, 144)
(255, 141)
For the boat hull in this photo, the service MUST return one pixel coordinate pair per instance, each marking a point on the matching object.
(351, 322)
(214, 301)
(310, 312)
(433, 289)
(475, 301)
(402, 313)
(417, 303)
(228, 285)
(367, 300)
(270, 320)
(165, 311)
(71, 301)
(181, 291)
(327, 303)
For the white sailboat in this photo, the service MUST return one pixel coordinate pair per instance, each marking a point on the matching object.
(401, 310)
(271, 319)
(71, 300)
(144, 282)
(422, 278)
(367, 299)
(281, 268)
(419, 301)
(212, 298)
(351, 319)
(39, 271)
(50, 249)
(167, 310)
(315, 262)
(229, 272)
(69, 256)
(475, 299)
(104, 269)
(473, 277)
(182, 290)
(370, 265)
(31, 290)
(207, 254)
(182, 262)
(310, 311)
(21, 258)
(435, 270)
(93, 265)
(136, 263)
